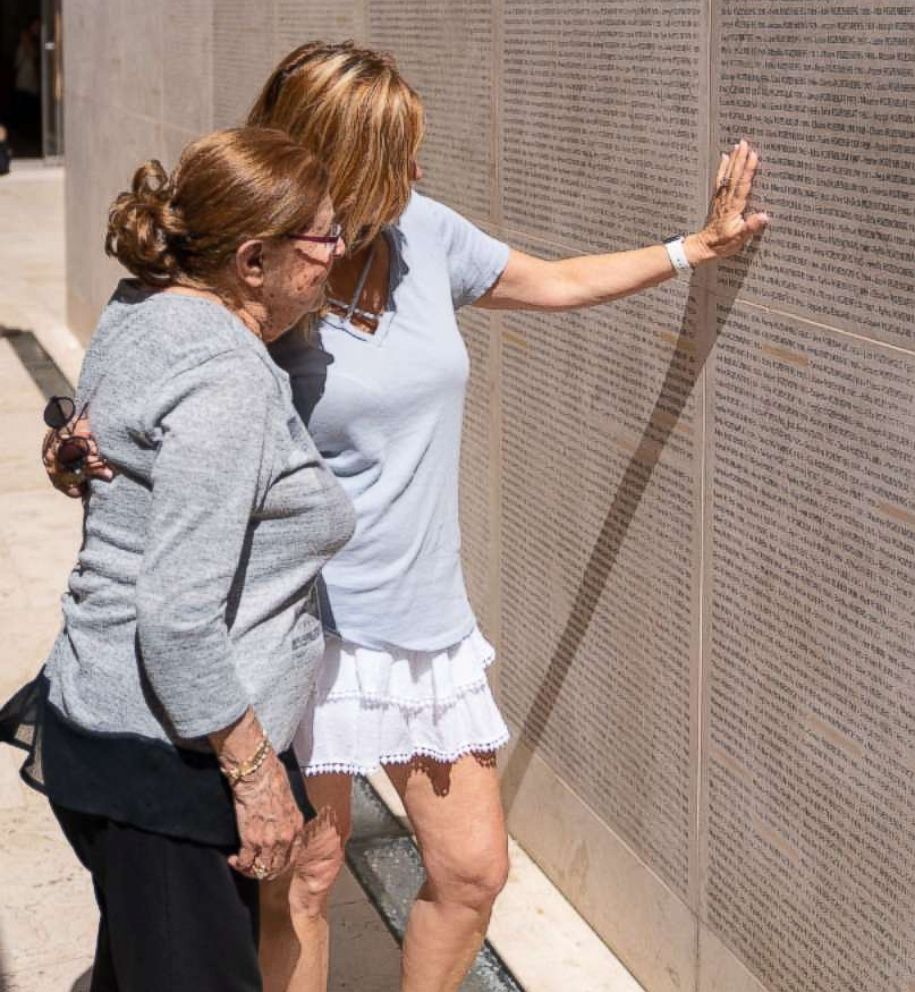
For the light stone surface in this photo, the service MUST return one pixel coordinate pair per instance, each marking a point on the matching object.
(720, 970)
(243, 55)
(603, 120)
(809, 755)
(647, 924)
(139, 80)
(826, 89)
(547, 946)
(324, 20)
(33, 295)
(187, 65)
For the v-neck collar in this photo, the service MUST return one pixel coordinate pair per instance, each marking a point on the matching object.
(376, 337)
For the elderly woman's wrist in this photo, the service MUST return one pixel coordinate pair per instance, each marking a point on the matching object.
(241, 770)
(239, 744)
(269, 778)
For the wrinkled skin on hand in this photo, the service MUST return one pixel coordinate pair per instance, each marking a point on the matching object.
(726, 229)
(270, 823)
(73, 484)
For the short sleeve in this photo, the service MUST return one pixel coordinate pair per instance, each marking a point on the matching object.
(475, 259)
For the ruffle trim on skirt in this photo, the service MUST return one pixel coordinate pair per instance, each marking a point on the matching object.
(400, 677)
(373, 708)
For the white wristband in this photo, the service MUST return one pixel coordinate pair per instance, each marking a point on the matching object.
(677, 254)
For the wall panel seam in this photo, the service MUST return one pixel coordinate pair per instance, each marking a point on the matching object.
(706, 327)
(820, 326)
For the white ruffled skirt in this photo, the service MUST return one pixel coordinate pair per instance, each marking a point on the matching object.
(371, 708)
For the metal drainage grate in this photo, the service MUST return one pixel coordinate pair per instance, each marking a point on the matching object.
(387, 865)
(38, 363)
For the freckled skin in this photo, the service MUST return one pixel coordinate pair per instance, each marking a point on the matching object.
(294, 276)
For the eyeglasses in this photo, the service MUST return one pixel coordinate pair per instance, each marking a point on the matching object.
(72, 451)
(331, 238)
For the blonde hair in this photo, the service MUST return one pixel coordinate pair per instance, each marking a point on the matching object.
(228, 187)
(351, 108)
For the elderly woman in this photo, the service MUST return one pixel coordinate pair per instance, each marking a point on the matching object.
(381, 384)
(168, 703)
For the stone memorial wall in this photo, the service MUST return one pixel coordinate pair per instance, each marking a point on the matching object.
(688, 517)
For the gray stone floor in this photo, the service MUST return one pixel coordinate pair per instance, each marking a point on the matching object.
(47, 912)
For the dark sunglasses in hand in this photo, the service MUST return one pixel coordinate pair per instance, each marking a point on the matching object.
(72, 452)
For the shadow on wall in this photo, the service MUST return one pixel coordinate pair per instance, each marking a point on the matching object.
(671, 399)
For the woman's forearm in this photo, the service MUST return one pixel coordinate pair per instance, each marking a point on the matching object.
(588, 280)
(530, 283)
(591, 279)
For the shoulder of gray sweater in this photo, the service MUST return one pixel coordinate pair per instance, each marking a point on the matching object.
(145, 358)
(164, 336)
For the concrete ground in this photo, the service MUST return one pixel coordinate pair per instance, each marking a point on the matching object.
(47, 911)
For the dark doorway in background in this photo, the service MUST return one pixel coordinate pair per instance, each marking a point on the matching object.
(31, 83)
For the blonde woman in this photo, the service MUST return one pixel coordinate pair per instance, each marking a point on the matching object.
(403, 685)
(381, 382)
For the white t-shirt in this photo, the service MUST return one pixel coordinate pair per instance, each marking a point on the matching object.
(385, 411)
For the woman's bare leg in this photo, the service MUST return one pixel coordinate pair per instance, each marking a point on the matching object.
(294, 948)
(279, 947)
(456, 811)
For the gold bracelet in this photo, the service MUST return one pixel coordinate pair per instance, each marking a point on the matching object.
(245, 768)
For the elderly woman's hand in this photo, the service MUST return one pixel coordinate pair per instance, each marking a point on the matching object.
(727, 229)
(73, 484)
(270, 823)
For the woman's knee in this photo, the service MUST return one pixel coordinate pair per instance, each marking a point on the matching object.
(472, 876)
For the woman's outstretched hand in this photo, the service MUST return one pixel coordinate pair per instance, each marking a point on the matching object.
(73, 484)
(729, 227)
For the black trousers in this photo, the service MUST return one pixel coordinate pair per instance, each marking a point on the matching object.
(174, 916)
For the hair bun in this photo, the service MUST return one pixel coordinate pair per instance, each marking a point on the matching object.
(143, 226)
(229, 187)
